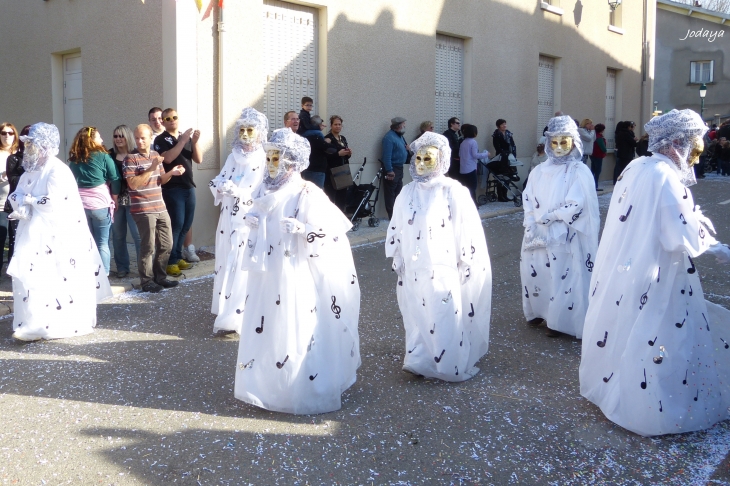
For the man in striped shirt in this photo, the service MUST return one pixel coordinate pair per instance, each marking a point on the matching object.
(145, 176)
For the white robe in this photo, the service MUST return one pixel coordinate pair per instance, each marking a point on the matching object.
(649, 359)
(299, 347)
(555, 278)
(246, 170)
(58, 276)
(445, 292)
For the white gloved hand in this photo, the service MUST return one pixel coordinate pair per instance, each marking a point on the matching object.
(549, 218)
(398, 266)
(721, 253)
(293, 226)
(228, 188)
(705, 220)
(23, 212)
(252, 221)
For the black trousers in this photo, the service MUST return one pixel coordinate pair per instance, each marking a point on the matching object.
(470, 182)
(391, 189)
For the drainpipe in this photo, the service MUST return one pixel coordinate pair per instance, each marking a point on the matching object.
(222, 143)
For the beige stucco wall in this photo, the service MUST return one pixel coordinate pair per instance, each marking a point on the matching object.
(376, 61)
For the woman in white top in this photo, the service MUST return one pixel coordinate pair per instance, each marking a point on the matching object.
(587, 134)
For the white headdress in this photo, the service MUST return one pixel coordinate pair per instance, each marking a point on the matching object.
(673, 135)
(251, 118)
(41, 143)
(563, 126)
(293, 155)
(442, 144)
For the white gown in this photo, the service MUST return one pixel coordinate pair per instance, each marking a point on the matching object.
(299, 347)
(246, 170)
(556, 278)
(58, 276)
(445, 294)
(654, 355)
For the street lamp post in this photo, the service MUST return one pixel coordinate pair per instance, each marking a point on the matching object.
(703, 93)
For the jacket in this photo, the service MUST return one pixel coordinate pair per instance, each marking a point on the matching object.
(625, 143)
(333, 158)
(587, 137)
(13, 169)
(394, 151)
(504, 144)
(318, 155)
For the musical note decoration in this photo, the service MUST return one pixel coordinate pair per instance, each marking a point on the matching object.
(457, 370)
(438, 358)
(575, 217)
(280, 364)
(413, 218)
(685, 193)
(527, 292)
(659, 359)
(336, 309)
(706, 321)
(96, 274)
(411, 350)
(725, 343)
(608, 378)
(643, 383)
(660, 406)
(572, 304)
(601, 344)
(353, 279)
(58, 307)
(311, 236)
(692, 269)
(446, 299)
(433, 329)
(25, 299)
(537, 204)
(260, 329)
(563, 277)
(644, 298)
(278, 299)
(681, 218)
(312, 377)
(680, 324)
(624, 217)
(534, 272)
(246, 366)
(697, 395)
(461, 343)
(589, 263)
(471, 314)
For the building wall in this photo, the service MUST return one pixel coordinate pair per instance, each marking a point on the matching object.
(376, 61)
(672, 86)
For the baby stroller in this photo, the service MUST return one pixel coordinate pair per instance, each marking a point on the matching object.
(503, 180)
(363, 198)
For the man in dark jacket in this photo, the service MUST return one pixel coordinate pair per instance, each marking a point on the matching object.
(625, 147)
(317, 170)
(453, 135)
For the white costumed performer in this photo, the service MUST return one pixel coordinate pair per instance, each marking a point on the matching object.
(58, 276)
(440, 254)
(233, 189)
(655, 355)
(561, 233)
(299, 347)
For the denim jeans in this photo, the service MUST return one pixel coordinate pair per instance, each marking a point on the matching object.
(180, 202)
(596, 166)
(316, 178)
(122, 219)
(100, 222)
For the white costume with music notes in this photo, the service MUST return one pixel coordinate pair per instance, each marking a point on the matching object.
(653, 355)
(299, 347)
(561, 236)
(444, 286)
(245, 168)
(58, 276)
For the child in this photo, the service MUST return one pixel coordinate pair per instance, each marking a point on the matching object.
(305, 121)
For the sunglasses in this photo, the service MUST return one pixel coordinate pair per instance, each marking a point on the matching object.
(7, 134)
(170, 118)
(118, 136)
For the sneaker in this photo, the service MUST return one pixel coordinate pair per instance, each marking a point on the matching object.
(168, 284)
(183, 265)
(190, 255)
(173, 270)
(151, 287)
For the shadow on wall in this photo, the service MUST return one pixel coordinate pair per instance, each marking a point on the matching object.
(382, 72)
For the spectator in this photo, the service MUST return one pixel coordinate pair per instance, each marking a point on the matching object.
(9, 142)
(587, 136)
(537, 158)
(504, 147)
(625, 146)
(144, 180)
(642, 146)
(599, 153)
(291, 121)
(305, 122)
(155, 118)
(468, 156)
(453, 135)
(94, 169)
(424, 127)
(724, 130)
(13, 170)
(395, 154)
(123, 146)
(317, 170)
(716, 151)
(724, 161)
(338, 155)
(179, 191)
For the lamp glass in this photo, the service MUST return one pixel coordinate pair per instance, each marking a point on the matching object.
(703, 90)
(613, 4)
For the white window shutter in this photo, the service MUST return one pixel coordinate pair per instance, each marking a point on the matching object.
(449, 80)
(610, 132)
(545, 93)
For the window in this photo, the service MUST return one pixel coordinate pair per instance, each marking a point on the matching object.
(616, 17)
(610, 131)
(545, 92)
(449, 80)
(701, 72)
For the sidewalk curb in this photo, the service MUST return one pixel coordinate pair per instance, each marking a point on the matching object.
(206, 267)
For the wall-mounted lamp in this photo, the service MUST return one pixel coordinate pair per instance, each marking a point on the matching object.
(613, 4)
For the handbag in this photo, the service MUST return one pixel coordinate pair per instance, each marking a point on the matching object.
(341, 177)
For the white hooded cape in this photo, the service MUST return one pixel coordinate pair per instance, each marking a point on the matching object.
(246, 170)
(556, 277)
(445, 278)
(58, 276)
(299, 347)
(655, 357)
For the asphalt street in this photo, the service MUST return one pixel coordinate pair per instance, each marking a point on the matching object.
(148, 399)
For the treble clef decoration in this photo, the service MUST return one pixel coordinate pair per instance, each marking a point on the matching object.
(335, 308)
(589, 263)
(575, 217)
(312, 235)
(43, 200)
(236, 208)
(644, 297)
